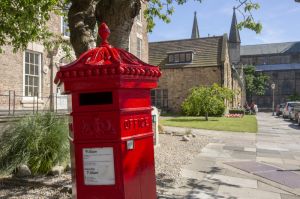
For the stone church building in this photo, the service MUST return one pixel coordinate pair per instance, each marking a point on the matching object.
(193, 62)
(27, 76)
(280, 61)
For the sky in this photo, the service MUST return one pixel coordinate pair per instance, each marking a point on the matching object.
(280, 20)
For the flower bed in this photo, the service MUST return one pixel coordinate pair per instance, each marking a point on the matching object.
(234, 115)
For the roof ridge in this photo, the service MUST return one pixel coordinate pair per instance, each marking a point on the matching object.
(201, 38)
(271, 43)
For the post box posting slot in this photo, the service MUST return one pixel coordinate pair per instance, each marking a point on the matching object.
(99, 98)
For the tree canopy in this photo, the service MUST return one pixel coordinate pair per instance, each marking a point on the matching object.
(256, 82)
(207, 100)
(24, 21)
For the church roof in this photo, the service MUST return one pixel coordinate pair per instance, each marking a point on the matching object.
(207, 51)
(234, 35)
(195, 30)
(272, 67)
(275, 48)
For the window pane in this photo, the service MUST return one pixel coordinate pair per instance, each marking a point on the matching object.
(30, 91)
(26, 80)
(65, 27)
(188, 57)
(36, 81)
(36, 59)
(26, 57)
(36, 70)
(176, 57)
(31, 58)
(31, 70)
(30, 81)
(26, 68)
(171, 58)
(182, 57)
(35, 91)
(26, 90)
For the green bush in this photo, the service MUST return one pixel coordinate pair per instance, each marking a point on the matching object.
(206, 101)
(237, 111)
(39, 141)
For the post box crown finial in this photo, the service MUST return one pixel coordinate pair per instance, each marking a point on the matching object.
(104, 33)
(113, 61)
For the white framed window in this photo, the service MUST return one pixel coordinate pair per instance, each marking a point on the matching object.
(139, 48)
(180, 57)
(139, 16)
(65, 27)
(32, 74)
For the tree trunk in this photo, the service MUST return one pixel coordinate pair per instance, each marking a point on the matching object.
(82, 21)
(206, 116)
(117, 14)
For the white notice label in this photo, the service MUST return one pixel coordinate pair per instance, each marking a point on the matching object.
(98, 166)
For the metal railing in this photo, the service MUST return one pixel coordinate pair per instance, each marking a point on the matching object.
(15, 103)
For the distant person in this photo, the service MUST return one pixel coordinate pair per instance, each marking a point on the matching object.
(252, 108)
(255, 108)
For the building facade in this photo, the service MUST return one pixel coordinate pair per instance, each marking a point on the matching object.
(27, 76)
(188, 63)
(281, 62)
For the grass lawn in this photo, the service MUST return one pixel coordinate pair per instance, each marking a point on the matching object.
(246, 124)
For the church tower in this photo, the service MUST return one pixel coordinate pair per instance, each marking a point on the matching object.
(234, 41)
(195, 31)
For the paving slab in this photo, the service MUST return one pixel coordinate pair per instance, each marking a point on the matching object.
(232, 181)
(267, 151)
(265, 165)
(251, 166)
(233, 148)
(287, 196)
(187, 173)
(252, 149)
(291, 162)
(266, 187)
(286, 178)
(269, 160)
(246, 193)
(197, 194)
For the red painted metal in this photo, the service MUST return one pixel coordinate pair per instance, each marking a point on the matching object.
(111, 109)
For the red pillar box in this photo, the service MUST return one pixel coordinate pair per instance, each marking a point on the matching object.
(111, 133)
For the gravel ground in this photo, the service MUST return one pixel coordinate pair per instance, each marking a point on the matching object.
(170, 156)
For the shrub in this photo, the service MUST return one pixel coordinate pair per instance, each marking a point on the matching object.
(206, 101)
(39, 141)
(237, 111)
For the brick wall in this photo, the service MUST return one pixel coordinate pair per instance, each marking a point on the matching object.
(180, 81)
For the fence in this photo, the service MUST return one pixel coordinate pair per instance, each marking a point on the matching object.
(15, 103)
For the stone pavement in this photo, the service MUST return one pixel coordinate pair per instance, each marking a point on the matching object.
(265, 165)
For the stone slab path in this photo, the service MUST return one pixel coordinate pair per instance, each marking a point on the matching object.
(265, 165)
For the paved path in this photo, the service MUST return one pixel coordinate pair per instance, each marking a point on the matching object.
(265, 165)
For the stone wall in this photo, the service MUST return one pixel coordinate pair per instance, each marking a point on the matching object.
(180, 81)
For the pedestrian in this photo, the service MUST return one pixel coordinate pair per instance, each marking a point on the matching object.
(255, 108)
